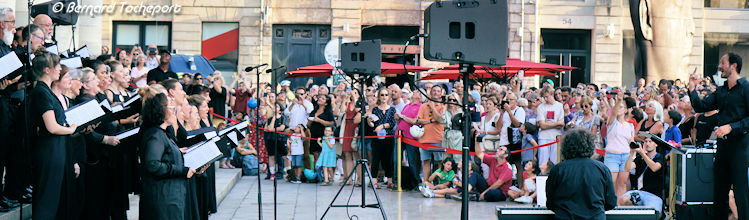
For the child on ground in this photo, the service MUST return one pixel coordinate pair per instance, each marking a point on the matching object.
(443, 176)
(296, 150)
(327, 159)
(528, 193)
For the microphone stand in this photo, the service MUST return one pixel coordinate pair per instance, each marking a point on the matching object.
(26, 76)
(257, 142)
(274, 81)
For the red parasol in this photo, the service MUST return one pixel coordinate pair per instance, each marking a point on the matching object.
(327, 69)
(481, 74)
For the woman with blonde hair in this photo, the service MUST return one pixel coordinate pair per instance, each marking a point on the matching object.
(453, 133)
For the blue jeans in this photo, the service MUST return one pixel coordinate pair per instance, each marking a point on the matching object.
(646, 199)
(436, 157)
(249, 165)
(615, 162)
(478, 182)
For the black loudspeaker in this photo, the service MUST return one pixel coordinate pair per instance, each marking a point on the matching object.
(364, 57)
(467, 32)
(59, 15)
(694, 176)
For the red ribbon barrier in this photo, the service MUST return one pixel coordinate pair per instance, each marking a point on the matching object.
(222, 117)
(133, 85)
(405, 140)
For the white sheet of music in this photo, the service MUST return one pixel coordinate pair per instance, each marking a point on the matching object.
(233, 137)
(52, 49)
(8, 64)
(83, 113)
(541, 190)
(131, 100)
(72, 63)
(202, 154)
(83, 52)
(127, 134)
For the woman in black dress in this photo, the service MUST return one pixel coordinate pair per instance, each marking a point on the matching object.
(175, 130)
(321, 117)
(50, 139)
(219, 95)
(206, 183)
(163, 164)
(382, 148)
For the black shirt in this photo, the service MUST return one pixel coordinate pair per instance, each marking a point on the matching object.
(704, 126)
(734, 112)
(158, 75)
(218, 101)
(580, 188)
(686, 128)
(652, 182)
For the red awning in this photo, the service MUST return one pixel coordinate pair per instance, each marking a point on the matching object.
(517, 64)
(482, 74)
(387, 69)
(308, 73)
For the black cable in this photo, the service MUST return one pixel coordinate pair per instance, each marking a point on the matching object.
(348, 202)
(412, 83)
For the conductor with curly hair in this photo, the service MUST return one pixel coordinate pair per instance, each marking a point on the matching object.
(579, 187)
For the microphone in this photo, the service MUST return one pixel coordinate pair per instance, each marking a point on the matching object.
(274, 69)
(250, 68)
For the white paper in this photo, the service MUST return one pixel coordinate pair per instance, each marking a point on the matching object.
(210, 134)
(72, 63)
(65, 54)
(83, 113)
(233, 137)
(202, 154)
(127, 134)
(131, 100)
(52, 49)
(8, 64)
(541, 190)
(83, 52)
(238, 126)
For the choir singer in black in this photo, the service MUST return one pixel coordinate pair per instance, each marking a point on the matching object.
(730, 164)
(163, 163)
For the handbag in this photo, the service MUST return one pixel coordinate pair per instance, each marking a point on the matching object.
(514, 136)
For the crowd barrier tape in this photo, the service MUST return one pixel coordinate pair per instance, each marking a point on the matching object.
(405, 140)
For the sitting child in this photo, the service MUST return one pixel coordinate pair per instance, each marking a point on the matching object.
(442, 176)
(456, 190)
(249, 157)
(528, 193)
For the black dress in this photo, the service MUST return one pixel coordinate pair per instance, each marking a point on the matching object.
(74, 188)
(164, 182)
(317, 130)
(218, 101)
(49, 153)
(206, 188)
(191, 195)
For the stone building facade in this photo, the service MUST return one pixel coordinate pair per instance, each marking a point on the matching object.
(594, 35)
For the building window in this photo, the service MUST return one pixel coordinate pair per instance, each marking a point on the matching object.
(127, 34)
(718, 44)
(220, 44)
(726, 4)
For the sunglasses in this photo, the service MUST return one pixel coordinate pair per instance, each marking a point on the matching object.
(452, 100)
(384, 95)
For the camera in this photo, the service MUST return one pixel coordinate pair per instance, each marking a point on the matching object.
(151, 51)
(635, 145)
(502, 104)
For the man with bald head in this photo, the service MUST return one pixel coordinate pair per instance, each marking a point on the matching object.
(45, 22)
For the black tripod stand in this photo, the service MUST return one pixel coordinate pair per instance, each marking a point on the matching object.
(363, 163)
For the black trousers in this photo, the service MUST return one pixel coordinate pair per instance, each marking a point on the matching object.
(411, 177)
(382, 155)
(731, 168)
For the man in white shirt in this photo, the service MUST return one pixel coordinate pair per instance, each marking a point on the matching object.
(152, 61)
(512, 116)
(299, 109)
(551, 123)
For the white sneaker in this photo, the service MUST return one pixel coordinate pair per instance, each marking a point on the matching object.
(427, 193)
(524, 199)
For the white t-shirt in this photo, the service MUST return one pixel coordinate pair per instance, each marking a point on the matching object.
(297, 145)
(550, 113)
(618, 136)
(137, 73)
(519, 113)
(487, 124)
(152, 62)
(298, 114)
